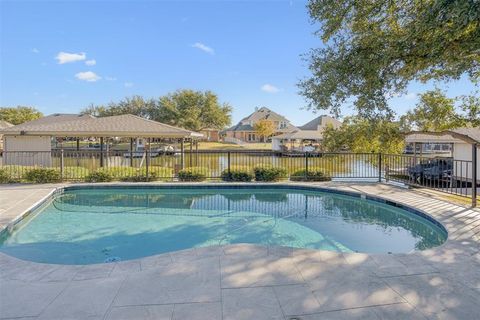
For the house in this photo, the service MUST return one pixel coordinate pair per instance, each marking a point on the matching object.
(464, 146)
(311, 133)
(3, 125)
(210, 134)
(244, 131)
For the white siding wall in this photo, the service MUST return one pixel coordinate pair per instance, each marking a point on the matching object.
(463, 151)
(24, 150)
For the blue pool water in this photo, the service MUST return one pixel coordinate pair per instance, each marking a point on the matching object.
(84, 226)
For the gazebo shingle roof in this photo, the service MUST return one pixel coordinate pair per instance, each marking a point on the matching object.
(115, 126)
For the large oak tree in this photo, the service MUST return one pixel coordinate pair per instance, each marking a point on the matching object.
(373, 49)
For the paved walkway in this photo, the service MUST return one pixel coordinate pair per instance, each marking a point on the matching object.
(255, 282)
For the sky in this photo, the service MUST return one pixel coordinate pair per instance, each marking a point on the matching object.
(61, 56)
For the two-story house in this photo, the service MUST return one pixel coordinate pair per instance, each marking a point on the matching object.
(245, 129)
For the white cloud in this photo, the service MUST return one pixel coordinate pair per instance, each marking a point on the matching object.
(88, 76)
(35, 50)
(128, 84)
(110, 78)
(203, 47)
(65, 57)
(269, 88)
(91, 62)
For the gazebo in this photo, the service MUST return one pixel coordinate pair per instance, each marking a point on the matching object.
(299, 136)
(35, 137)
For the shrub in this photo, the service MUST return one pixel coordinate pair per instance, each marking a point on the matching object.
(17, 173)
(42, 175)
(265, 173)
(99, 175)
(243, 174)
(313, 174)
(5, 176)
(193, 174)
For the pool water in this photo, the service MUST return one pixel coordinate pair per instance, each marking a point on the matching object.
(85, 226)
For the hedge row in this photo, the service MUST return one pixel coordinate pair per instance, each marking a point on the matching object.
(11, 174)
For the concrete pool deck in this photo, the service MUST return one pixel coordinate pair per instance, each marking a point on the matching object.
(255, 282)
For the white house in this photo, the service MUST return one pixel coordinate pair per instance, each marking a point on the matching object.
(311, 133)
(465, 146)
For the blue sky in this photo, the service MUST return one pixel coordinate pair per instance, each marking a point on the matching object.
(62, 56)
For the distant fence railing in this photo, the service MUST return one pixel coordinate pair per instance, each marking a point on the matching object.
(447, 175)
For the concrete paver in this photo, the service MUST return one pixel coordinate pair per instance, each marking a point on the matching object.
(248, 281)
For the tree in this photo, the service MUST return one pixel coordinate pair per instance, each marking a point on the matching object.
(193, 110)
(264, 128)
(361, 135)
(373, 49)
(470, 105)
(135, 105)
(434, 112)
(19, 114)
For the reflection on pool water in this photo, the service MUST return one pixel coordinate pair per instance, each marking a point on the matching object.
(84, 226)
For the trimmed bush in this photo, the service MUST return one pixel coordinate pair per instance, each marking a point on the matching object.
(17, 173)
(5, 176)
(99, 175)
(266, 173)
(42, 175)
(313, 174)
(193, 174)
(242, 174)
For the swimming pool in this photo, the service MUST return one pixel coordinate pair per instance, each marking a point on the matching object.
(85, 225)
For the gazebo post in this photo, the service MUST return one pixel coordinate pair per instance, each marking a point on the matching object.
(78, 144)
(131, 152)
(101, 151)
(191, 152)
(182, 153)
(147, 158)
(196, 152)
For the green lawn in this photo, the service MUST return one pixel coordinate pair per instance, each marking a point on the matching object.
(202, 145)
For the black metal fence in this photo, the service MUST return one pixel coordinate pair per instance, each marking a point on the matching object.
(443, 174)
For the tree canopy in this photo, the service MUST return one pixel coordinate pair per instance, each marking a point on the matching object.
(373, 49)
(189, 109)
(358, 134)
(436, 112)
(264, 128)
(19, 114)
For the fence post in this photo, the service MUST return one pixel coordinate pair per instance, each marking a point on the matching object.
(147, 160)
(379, 167)
(61, 164)
(182, 154)
(228, 163)
(131, 152)
(474, 175)
(101, 151)
(306, 165)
